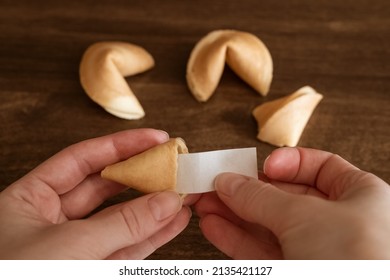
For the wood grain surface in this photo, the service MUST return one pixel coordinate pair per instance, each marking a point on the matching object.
(341, 48)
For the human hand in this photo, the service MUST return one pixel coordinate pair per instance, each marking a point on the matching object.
(40, 214)
(310, 205)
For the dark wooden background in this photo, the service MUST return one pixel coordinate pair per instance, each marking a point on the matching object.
(341, 48)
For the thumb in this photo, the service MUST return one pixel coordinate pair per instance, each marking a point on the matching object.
(254, 201)
(129, 223)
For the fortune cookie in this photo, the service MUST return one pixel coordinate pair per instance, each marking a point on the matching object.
(150, 171)
(245, 54)
(102, 70)
(281, 122)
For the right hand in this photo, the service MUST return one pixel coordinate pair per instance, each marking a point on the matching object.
(311, 205)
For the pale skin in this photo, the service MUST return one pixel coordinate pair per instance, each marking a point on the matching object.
(41, 214)
(308, 204)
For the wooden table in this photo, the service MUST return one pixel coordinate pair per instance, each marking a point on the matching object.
(341, 48)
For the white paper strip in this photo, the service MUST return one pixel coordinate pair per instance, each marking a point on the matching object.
(197, 171)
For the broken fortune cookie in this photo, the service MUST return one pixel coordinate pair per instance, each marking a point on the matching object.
(150, 171)
(102, 70)
(245, 54)
(282, 121)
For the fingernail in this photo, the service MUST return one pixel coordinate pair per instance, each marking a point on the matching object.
(164, 205)
(228, 183)
(164, 134)
(265, 165)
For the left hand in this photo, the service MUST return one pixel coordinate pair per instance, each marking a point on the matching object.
(40, 214)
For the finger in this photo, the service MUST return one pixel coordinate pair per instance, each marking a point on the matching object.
(190, 199)
(151, 244)
(256, 201)
(92, 192)
(68, 168)
(298, 189)
(128, 224)
(292, 188)
(234, 241)
(307, 166)
(88, 195)
(210, 203)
